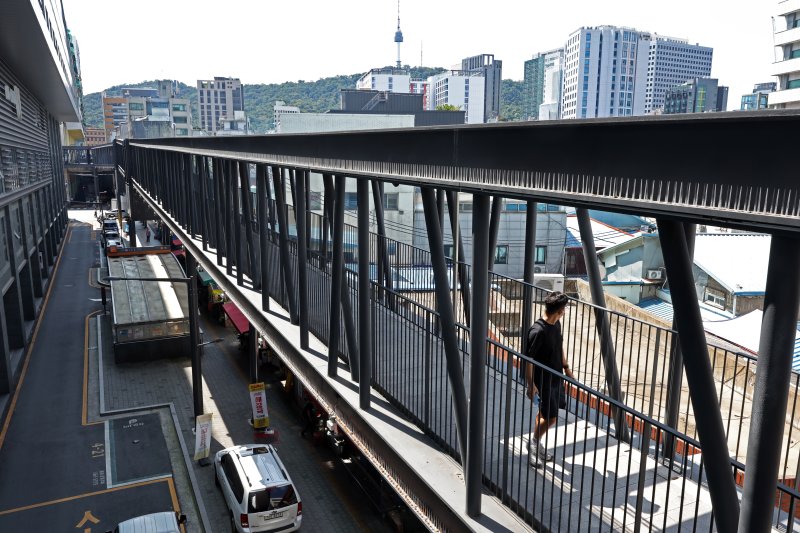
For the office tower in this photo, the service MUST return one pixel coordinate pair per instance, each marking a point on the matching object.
(542, 85)
(491, 70)
(787, 57)
(605, 72)
(461, 89)
(759, 98)
(145, 112)
(698, 95)
(672, 62)
(219, 99)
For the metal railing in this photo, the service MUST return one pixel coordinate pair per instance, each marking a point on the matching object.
(86, 155)
(409, 367)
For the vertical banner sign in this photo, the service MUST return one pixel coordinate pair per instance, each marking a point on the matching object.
(202, 436)
(258, 399)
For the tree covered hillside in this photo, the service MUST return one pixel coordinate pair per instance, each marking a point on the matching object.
(310, 96)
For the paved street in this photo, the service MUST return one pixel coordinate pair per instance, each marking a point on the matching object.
(89, 443)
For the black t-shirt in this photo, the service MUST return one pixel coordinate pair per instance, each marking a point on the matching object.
(546, 346)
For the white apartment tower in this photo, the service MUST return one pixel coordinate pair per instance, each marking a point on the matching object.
(459, 88)
(393, 80)
(551, 84)
(605, 72)
(787, 56)
(672, 62)
(218, 100)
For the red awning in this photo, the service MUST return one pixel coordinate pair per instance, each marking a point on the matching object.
(239, 321)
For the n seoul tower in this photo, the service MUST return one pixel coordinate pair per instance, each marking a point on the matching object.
(398, 35)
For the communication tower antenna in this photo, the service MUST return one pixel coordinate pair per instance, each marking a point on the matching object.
(398, 35)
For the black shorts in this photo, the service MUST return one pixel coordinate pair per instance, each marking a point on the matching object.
(551, 399)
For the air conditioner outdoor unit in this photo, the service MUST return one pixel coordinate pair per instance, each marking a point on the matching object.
(537, 270)
(655, 274)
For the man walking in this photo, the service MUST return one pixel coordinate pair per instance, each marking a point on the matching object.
(545, 345)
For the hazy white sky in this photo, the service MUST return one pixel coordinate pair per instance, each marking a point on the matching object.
(265, 41)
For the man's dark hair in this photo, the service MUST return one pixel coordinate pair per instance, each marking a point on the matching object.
(555, 302)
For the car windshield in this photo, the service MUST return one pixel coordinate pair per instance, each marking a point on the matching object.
(272, 498)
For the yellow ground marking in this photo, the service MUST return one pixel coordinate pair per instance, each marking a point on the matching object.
(85, 408)
(81, 496)
(13, 405)
(174, 495)
(92, 279)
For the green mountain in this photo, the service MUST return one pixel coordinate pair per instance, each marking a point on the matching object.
(310, 96)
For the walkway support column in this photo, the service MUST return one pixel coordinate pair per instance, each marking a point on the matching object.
(601, 322)
(773, 374)
(699, 375)
(458, 265)
(337, 274)
(383, 252)
(477, 369)
(252, 352)
(528, 271)
(283, 240)
(302, 255)
(494, 228)
(675, 375)
(194, 335)
(263, 232)
(446, 318)
(364, 311)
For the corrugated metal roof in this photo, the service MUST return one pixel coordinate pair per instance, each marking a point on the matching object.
(736, 260)
(741, 331)
(604, 235)
(136, 302)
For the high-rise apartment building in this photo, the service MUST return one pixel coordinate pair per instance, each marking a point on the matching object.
(787, 56)
(491, 70)
(462, 89)
(672, 62)
(759, 98)
(542, 85)
(605, 71)
(612, 71)
(219, 99)
(699, 95)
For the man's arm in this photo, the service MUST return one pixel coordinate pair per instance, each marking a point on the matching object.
(567, 369)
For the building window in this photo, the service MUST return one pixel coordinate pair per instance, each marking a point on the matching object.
(391, 201)
(180, 120)
(351, 200)
(501, 255)
(181, 132)
(541, 255)
(714, 297)
(179, 107)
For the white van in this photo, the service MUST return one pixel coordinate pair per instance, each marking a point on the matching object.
(258, 491)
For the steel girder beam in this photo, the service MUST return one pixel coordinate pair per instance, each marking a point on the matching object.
(699, 375)
(302, 255)
(364, 289)
(773, 374)
(476, 423)
(460, 264)
(532, 161)
(283, 241)
(602, 323)
(446, 317)
(262, 190)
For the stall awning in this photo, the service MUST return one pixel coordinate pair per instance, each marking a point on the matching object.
(205, 279)
(237, 318)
